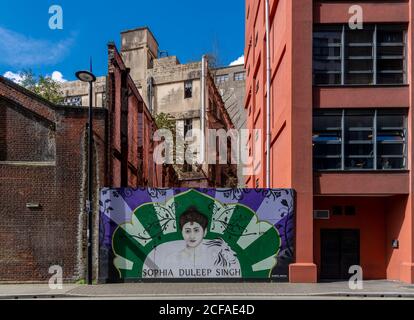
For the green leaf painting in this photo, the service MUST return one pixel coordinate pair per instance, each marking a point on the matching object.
(193, 235)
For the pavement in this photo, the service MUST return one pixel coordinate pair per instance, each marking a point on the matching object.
(377, 289)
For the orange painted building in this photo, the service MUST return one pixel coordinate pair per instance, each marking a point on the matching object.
(341, 122)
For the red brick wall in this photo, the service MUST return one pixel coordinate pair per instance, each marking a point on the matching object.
(35, 239)
(22, 138)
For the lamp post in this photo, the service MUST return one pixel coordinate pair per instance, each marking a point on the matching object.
(86, 76)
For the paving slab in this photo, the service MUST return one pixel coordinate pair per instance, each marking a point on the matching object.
(210, 290)
(371, 288)
(33, 290)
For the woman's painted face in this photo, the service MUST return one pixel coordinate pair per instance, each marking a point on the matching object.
(193, 234)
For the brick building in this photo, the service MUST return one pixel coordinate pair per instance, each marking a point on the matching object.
(341, 123)
(43, 172)
(170, 87)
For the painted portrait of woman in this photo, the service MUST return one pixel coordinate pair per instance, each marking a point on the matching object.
(194, 252)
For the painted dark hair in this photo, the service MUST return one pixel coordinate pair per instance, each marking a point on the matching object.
(193, 215)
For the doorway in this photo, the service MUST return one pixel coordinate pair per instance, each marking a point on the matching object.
(339, 250)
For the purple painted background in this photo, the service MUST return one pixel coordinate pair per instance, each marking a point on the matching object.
(273, 205)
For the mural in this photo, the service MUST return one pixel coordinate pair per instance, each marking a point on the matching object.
(196, 233)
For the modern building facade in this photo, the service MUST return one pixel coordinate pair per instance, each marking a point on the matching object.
(341, 122)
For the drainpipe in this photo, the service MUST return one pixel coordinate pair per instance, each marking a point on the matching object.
(268, 133)
(203, 108)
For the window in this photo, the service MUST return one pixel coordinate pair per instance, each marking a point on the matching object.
(222, 78)
(359, 140)
(371, 56)
(350, 211)
(73, 101)
(327, 140)
(359, 144)
(188, 126)
(188, 89)
(337, 211)
(239, 76)
(187, 167)
(391, 140)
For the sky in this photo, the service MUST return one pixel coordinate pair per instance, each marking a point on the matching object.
(185, 28)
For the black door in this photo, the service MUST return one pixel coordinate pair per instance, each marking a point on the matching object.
(339, 251)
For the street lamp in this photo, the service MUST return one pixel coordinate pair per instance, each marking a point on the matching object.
(86, 76)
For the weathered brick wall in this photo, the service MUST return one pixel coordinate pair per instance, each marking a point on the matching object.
(28, 243)
(32, 240)
(23, 137)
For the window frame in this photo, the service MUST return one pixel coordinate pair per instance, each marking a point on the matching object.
(344, 46)
(344, 140)
(188, 126)
(222, 78)
(239, 76)
(188, 89)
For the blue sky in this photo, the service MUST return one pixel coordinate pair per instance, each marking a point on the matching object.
(186, 28)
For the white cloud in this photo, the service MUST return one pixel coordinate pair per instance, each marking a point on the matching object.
(15, 77)
(57, 76)
(18, 50)
(240, 60)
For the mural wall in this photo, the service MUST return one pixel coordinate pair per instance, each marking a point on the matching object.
(196, 234)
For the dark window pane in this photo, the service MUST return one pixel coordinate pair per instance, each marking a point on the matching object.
(323, 52)
(327, 164)
(359, 51)
(359, 150)
(360, 135)
(359, 163)
(350, 211)
(326, 55)
(359, 120)
(360, 65)
(390, 36)
(390, 78)
(321, 149)
(325, 38)
(390, 121)
(359, 36)
(390, 56)
(327, 122)
(325, 78)
(390, 51)
(337, 210)
(386, 163)
(390, 64)
(390, 149)
(188, 89)
(327, 138)
(359, 78)
(326, 65)
(353, 150)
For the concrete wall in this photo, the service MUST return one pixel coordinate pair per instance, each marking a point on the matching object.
(77, 89)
